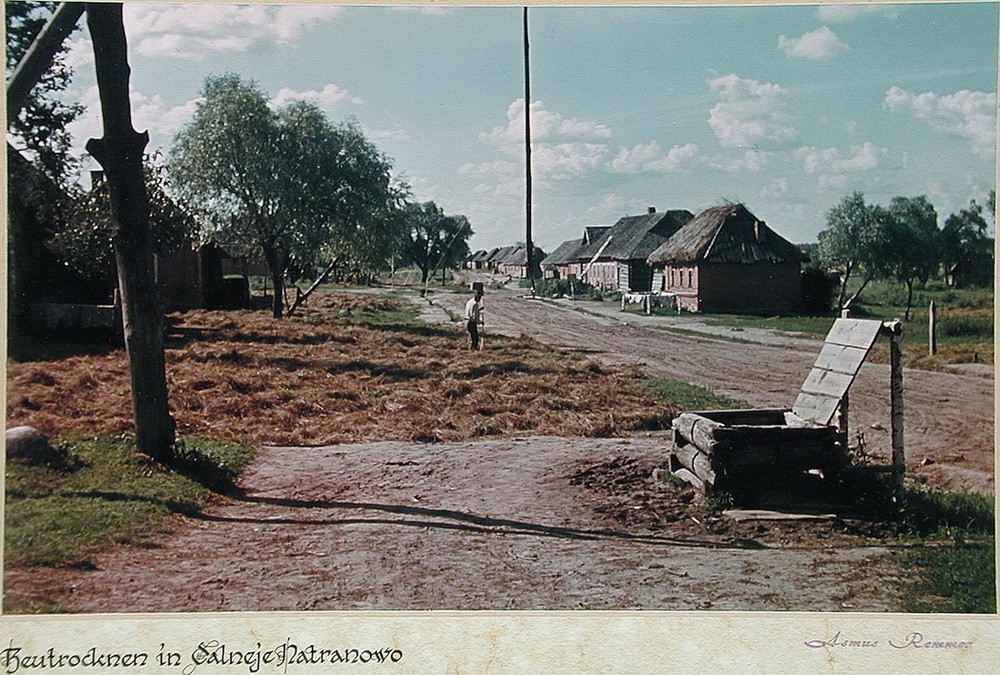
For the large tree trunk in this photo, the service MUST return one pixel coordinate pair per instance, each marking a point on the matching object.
(276, 263)
(120, 154)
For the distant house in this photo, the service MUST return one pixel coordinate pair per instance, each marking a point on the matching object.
(496, 258)
(726, 260)
(618, 259)
(515, 264)
(477, 260)
(563, 262)
(974, 269)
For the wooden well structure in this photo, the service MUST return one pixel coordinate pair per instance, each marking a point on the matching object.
(738, 449)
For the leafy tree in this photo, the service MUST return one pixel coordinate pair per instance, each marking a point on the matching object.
(40, 127)
(859, 240)
(916, 254)
(435, 240)
(964, 235)
(288, 181)
(84, 243)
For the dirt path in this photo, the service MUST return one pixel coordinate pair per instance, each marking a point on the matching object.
(949, 427)
(536, 523)
(501, 524)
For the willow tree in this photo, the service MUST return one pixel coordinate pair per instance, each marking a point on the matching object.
(286, 180)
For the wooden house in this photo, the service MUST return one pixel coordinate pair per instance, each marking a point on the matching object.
(563, 262)
(618, 259)
(727, 260)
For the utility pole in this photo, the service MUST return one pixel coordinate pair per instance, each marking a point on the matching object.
(527, 157)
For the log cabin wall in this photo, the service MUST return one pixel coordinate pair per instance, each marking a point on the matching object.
(758, 287)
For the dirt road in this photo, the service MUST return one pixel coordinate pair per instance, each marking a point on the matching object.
(949, 418)
(536, 523)
(500, 524)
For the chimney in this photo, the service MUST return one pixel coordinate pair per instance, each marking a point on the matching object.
(652, 209)
(759, 231)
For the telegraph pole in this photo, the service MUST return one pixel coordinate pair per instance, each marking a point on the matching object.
(527, 157)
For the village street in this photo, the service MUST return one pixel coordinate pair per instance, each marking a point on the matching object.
(535, 522)
(948, 417)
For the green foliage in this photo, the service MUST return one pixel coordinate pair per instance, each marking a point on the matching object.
(84, 243)
(112, 496)
(41, 126)
(434, 240)
(690, 396)
(557, 288)
(860, 239)
(288, 181)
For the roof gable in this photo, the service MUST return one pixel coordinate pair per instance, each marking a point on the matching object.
(726, 234)
(635, 237)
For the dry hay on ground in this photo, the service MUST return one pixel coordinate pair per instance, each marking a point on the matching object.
(322, 378)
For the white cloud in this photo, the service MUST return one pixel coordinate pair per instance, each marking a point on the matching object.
(821, 43)
(546, 126)
(968, 114)
(80, 53)
(329, 99)
(845, 13)
(376, 135)
(777, 189)
(195, 31)
(430, 10)
(651, 157)
(832, 183)
(864, 157)
(751, 160)
(748, 112)
(499, 168)
(149, 113)
(162, 120)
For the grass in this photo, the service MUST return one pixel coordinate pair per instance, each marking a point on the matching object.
(690, 396)
(955, 572)
(112, 495)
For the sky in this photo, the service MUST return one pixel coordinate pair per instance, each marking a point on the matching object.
(787, 109)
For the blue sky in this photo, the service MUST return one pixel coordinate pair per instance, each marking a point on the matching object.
(787, 108)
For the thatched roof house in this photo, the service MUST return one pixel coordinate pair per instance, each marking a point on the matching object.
(726, 259)
(622, 251)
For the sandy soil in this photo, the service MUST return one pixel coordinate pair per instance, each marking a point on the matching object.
(523, 523)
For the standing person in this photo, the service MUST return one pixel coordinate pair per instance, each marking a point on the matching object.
(473, 317)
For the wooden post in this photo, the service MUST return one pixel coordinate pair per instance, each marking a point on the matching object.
(932, 330)
(120, 154)
(895, 331)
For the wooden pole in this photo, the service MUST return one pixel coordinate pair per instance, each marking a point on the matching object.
(40, 55)
(120, 154)
(527, 157)
(895, 330)
(932, 330)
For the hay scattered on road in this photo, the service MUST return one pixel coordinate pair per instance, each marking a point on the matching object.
(323, 378)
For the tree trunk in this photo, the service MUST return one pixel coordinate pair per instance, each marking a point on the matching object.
(276, 262)
(842, 295)
(120, 154)
(909, 298)
(857, 293)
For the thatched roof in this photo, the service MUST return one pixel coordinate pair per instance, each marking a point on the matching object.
(566, 252)
(635, 237)
(726, 234)
(499, 255)
(480, 256)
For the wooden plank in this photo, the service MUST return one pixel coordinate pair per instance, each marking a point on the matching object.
(854, 332)
(815, 408)
(827, 383)
(689, 477)
(840, 358)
